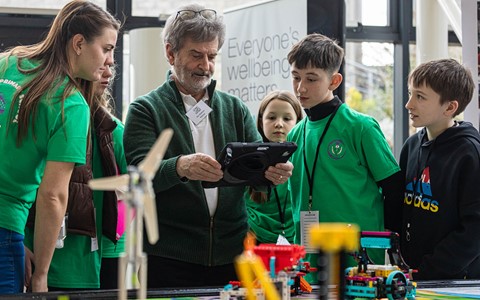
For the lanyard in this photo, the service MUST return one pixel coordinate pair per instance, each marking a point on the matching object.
(311, 177)
(281, 211)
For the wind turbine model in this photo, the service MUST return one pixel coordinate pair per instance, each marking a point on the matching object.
(140, 197)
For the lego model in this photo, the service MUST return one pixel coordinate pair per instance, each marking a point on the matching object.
(372, 281)
(281, 278)
(333, 241)
(139, 197)
(287, 259)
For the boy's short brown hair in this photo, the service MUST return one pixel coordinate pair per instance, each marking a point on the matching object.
(317, 51)
(446, 77)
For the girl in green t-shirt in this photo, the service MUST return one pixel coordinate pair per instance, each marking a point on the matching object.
(270, 214)
(43, 129)
(91, 247)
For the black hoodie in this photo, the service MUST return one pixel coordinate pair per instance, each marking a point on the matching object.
(440, 234)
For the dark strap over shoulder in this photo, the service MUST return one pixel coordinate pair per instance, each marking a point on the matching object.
(80, 209)
(104, 126)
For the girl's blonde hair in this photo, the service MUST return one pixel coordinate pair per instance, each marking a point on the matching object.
(283, 95)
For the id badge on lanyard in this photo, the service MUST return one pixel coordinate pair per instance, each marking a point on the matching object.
(307, 220)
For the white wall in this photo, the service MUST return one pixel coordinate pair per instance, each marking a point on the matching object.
(148, 65)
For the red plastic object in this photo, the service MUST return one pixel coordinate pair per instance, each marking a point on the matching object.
(235, 283)
(286, 256)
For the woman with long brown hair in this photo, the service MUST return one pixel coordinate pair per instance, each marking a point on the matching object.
(43, 129)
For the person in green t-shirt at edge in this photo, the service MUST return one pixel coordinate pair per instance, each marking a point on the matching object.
(43, 131)
(344, 167)
(84, 258)
(270, 213)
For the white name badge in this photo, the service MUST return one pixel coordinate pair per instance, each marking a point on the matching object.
(93, 244)
(94, 240)
(307, 219)
(199, 112)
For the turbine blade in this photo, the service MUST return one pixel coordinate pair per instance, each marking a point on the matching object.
(150, 164)
(109, 183)
(150, 215)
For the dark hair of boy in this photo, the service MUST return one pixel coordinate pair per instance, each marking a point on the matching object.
(446, 77)
(317, 51)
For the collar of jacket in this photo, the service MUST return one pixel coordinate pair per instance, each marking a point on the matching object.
(323, 110)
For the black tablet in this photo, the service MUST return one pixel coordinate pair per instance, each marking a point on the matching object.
(246, 163)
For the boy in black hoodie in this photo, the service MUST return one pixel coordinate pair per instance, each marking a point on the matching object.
(440, 234)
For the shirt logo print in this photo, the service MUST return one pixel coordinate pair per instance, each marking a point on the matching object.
(336, 149)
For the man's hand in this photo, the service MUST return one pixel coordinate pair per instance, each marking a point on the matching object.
(199, 166)
(279, 173)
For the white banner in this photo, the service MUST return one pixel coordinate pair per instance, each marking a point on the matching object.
(258, 39)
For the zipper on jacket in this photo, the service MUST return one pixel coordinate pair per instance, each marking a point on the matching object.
(210, 250)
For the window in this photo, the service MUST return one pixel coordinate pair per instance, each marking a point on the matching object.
(155, 8)
(43, 4)
(367, 12)
(369, 82)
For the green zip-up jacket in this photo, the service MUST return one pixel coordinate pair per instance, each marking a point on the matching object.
(187, 232)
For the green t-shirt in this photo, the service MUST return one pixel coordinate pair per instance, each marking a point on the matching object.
(62, 139)
(353, 157)
(110, 250)
(264, 218)
(76, 265)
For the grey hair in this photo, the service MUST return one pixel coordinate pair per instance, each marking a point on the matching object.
(199, 29)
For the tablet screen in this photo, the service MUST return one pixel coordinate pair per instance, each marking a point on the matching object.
(246, 163)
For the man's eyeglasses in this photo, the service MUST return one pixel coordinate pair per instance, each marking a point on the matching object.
(187, 14)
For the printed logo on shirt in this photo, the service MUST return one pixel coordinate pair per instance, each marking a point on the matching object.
(10, 82)
(2, 104)
(336, 149)
(419, 194)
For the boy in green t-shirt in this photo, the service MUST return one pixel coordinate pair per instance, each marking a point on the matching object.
(344, 168)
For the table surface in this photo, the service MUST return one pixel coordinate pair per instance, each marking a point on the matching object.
(456, 289)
